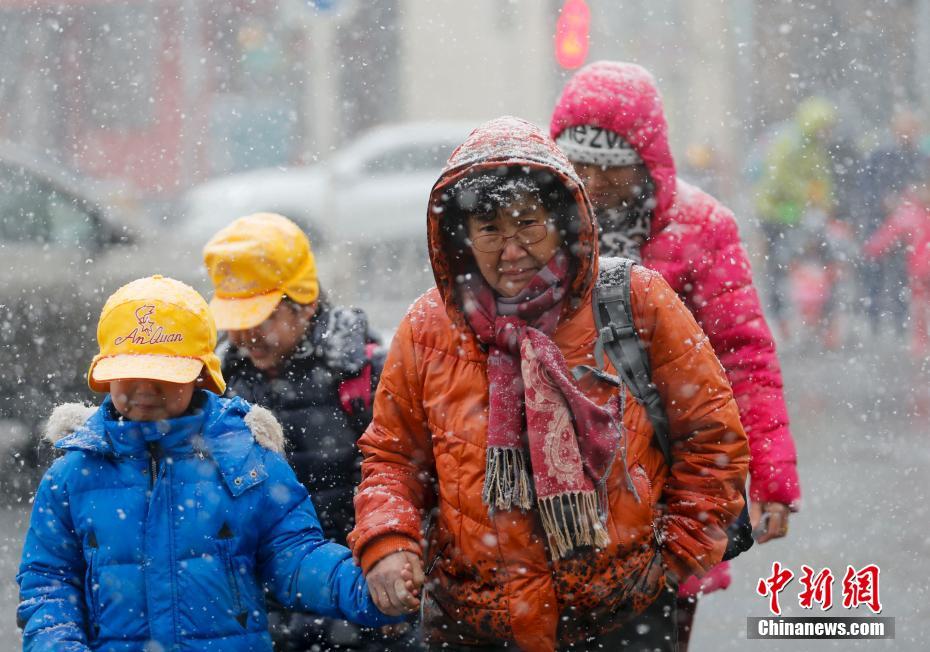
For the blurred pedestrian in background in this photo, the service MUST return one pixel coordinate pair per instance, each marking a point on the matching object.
(908, 224)
(610, 123)
(887, 175)
(796, 185)
(313, 364)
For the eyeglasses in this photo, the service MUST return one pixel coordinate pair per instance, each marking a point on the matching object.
(491, 243)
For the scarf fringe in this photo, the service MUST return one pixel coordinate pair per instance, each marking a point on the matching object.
(572, 520)
(506, 480)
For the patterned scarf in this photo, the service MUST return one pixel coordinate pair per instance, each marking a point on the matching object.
(570, 440)
(623, 228)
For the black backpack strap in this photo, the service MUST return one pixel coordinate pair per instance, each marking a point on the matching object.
(617, 338)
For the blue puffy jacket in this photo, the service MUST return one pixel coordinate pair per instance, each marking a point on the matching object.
(164, 535)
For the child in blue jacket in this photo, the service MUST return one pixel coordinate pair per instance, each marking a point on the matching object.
(172, 512)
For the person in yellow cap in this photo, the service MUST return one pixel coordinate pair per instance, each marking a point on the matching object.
(172, 511)
(313, 364)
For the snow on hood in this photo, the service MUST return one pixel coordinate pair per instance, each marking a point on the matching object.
(624, 98)
(510, 141)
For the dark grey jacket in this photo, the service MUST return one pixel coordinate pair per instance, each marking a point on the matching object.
(321, 429)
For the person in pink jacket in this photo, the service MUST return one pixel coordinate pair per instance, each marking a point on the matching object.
(909, 223)
(610, 122)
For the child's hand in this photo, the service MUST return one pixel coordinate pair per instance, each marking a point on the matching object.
(389, 588)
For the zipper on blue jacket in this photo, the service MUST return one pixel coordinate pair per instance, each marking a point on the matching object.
(154, 455)
(92, 589)
(225, 536)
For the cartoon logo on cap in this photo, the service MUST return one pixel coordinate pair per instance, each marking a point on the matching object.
(148, 332)
(144, 317)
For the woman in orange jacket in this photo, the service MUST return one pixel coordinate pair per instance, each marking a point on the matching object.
(537, 507)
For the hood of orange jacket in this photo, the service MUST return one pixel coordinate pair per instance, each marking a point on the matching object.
(511, 142)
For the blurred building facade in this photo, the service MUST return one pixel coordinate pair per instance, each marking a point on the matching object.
(155, 93)
(165, 93)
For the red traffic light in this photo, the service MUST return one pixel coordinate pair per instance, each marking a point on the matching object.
(571, 34)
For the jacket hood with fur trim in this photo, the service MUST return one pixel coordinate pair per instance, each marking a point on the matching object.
(72, 420)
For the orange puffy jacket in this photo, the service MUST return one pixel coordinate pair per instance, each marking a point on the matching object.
(492, 578)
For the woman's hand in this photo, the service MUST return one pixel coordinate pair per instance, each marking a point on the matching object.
(777, 525)
(412, 581)
(393, 590)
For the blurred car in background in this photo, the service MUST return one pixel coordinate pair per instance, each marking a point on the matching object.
(364, 209)
(373, 189)
(63, 251)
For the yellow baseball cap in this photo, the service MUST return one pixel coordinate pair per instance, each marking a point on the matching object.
(156, 328)
(253, 263)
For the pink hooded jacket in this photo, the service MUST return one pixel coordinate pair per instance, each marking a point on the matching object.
(695, 245)
(908, 223)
